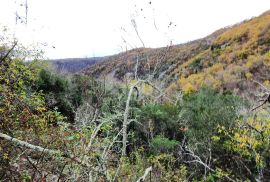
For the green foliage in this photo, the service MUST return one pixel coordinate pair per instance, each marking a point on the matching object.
(64, 93)
(250, 139)
(134, 165)
(20, 104)
(164, 117)
(205, 110)
(45, 81)
(57, 85)
(167, 168)
(23, 112)
(157, 119)
(217, 175)
(215, 50)
(202, 137)
(163, 144)
(197, 64)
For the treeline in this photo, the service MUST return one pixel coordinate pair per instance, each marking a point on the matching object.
(77, 128)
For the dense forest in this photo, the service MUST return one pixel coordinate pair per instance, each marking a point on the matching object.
(192, 112)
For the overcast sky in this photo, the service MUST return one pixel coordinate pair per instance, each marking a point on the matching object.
(86, 28)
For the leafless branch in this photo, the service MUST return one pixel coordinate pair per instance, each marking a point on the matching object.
(28, 145)
(42, 150)
(267, 99)
(134, 24)
(147, 170)
(106, 149)
(8, 52)
(125, 122)
(264, 102)
(97, 129)
(197, 159)
(264, 87)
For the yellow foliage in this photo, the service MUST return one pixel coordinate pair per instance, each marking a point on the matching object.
(188, 88)
(215, 68)
(132, 82)
(172, 87)
(146, 89)
(250, 63)
(266, 83)
(266, 61)
(252, 28)
(215, 138)
(41, 109)
(5, 156)
(143, 87)
(250, 138)
(249, 76)
(208, 77)
(191, 83)
(268, 54)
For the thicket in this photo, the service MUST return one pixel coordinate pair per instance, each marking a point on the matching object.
(56, 127)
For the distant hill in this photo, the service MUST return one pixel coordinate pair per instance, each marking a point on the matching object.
(164, 59)
(228, 59)
(73, 65)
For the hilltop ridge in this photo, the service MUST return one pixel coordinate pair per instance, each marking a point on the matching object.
(222, 60)
(73, 65)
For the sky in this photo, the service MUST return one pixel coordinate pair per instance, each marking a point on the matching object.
(92, 28)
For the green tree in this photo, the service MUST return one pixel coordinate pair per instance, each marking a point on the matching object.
(205, 110)
(23, 113)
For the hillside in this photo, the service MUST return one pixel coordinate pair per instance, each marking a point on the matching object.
(227, 59)
(72, 65)
(154, 121)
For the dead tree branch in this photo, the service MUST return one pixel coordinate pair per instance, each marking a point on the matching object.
(134, 24)
(125, 122)
(266, 100)
(42, 150)
(142, 179)
(8, 52)
(198, 160)
(30, 146)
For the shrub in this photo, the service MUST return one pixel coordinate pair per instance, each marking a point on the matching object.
(161, 144)
(203, 111)
(158, 119)
(197, 64)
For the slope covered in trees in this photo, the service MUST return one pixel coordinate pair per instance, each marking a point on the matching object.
(182, 113)
(225, 60)
(73, 65)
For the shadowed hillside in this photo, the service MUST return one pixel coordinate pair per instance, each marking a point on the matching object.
(72, 65)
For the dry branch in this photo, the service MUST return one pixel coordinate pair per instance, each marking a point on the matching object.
(267, 99)
(8, 52)
(148, 170)
(125, 122)
(198, 160)
(42, 150)
(30, 146)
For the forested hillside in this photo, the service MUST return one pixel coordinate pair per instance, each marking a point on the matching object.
(191, 112)
(225, 60)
